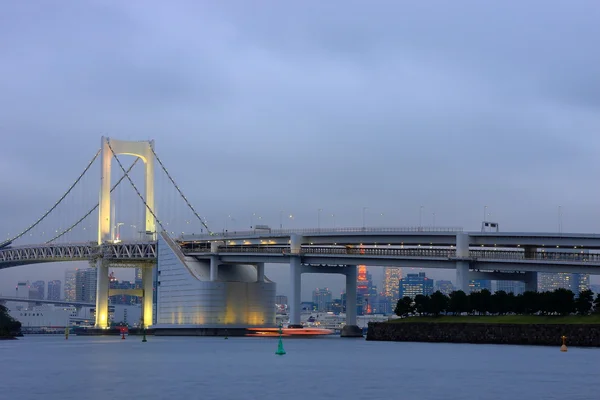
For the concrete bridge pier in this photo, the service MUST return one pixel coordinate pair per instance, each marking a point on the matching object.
(295, 292)
(462, 263)
(351, 329)
(148, 298)
(101, 294)
(295, 301)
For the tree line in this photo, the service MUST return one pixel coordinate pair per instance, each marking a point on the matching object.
(557, 302)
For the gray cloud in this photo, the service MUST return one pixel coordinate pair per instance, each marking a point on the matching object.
(261, 107)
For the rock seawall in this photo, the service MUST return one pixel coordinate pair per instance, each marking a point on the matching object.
(582, 335)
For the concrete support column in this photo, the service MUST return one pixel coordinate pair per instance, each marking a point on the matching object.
(214, 268)
(462, 276)
(295, 290)
(214, 247)
(101, 294)
(351, 329)
(148, 299)
(531, 281)
(260, 272)
(351, 277)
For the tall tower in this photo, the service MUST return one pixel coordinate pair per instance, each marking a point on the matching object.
(143, 150)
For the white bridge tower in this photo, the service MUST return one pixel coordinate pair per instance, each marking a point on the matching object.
(110, 148)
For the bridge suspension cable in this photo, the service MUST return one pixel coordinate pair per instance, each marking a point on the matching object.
(70, 228)
(134, 187)
(180, 192)
(55, 204)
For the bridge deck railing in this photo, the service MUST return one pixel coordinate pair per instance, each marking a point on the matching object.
(371, 251)
(536, 256)
(321, 231)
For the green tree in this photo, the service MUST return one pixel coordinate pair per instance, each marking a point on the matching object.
(563, 301)
(422, 304)
(8, 325)
(500, 303)
(530, 303)
(404, 307)
(583, 303)
(438, 303)
(459, 302)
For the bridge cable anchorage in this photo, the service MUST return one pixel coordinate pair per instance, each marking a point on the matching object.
(181, 193)
(134, 187)
(55, 204)
(70, 228)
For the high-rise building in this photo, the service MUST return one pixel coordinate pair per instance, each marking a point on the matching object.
(37, 290)
(321, 298)
(70, 284)
(366, 292)
(85, 285)
(414, 284)
(477, 285)
(391, 283)
(550, 281)
(54, 290)
(515, 287)
(445, 287)
(22, 290)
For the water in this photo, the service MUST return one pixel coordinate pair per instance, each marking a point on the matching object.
(318, 368)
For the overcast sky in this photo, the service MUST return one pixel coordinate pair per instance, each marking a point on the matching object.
(259, 107)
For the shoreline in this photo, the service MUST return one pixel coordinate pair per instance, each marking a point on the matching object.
(541, 334)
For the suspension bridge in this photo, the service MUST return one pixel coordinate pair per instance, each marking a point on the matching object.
(209, 279)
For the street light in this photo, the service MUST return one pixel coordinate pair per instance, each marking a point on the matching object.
(421, 217)
(333, 216)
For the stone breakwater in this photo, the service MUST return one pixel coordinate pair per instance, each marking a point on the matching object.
(582, 335)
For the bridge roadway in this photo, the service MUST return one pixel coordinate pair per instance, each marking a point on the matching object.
(4, 299)
(496, 256)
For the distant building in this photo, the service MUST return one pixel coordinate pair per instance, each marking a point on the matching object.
(414, 284)
(550, 281)
(54, 290)
(366, 292)
(321, 297)
(445, 287)
(122, 299)
(515, 287)
(70, 284)
(37, 290)
(477, 285)
(22, 290)
(281, 299)
(335, 306)
(85, 285)
(391, 283)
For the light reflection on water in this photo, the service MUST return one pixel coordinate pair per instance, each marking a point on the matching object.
(317, 368)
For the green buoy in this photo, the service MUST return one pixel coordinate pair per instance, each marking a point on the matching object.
(226, 334)
(144, 338)
(280, 351)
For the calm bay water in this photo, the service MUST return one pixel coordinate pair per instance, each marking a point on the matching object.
(320, 368)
